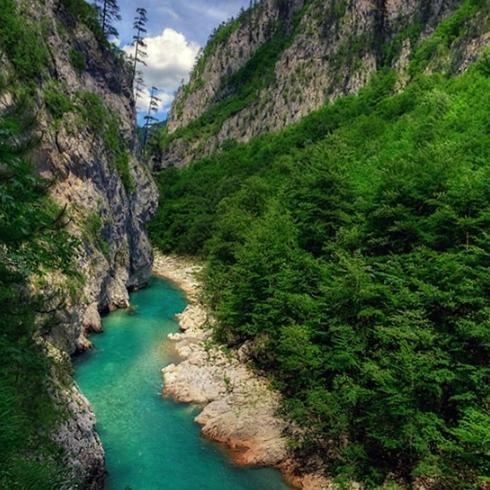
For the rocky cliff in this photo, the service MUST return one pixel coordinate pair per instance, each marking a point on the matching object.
(85, 147)
(283, 59)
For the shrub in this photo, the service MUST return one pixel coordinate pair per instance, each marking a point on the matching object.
(78, 60)
(106, 125)
(82, 11)
(33, 242)
(448, 31)
(239, 89)
(22, 42)
(57, 101)
(94, 228)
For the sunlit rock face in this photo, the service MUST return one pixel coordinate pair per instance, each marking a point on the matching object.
(87, 181)
(332, 48)
(106, 210)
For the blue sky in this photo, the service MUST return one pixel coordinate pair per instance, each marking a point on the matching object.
(193, 18)
(177, 29)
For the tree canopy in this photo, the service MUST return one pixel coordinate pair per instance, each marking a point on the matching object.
(352, 250)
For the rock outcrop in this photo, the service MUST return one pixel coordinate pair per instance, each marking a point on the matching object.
(317, 51)
(240, 408)
(83, 448)
(85, 147)
(106, 215)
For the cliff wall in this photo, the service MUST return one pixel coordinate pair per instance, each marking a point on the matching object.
(84, 146)
(284, 59)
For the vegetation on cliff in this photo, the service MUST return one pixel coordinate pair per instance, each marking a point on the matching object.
(351, 251)
(38, 274)
(32, 243)
(285, 58)
(238, 90)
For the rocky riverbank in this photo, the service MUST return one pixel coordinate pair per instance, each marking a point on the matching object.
(240, 409)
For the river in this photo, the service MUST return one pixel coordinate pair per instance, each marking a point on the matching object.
(151, 442)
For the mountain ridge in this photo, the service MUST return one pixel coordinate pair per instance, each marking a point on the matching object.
(284, 60)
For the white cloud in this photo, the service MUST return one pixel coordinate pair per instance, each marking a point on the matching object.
(170, 60)
(143, 101)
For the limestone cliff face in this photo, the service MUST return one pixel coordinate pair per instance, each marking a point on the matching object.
(325, 49)
(86, 149)
(108, 217)
(254, 30)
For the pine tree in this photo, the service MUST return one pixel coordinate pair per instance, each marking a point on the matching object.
(150, 119)
(109, 12)
(139, 44)
(139, 84)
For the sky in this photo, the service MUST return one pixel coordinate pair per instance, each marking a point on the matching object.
(177, 29)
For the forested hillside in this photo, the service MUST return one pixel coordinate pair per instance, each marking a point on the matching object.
(351, 253)
(281, 60)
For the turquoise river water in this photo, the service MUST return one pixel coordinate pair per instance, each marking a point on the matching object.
(151, 442)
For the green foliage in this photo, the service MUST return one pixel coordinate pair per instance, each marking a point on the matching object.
(393, 49)
(93, 111)
(22, 42)
(447, 32)
(77, 60)
(86, 13)
(106, 125)
(56, 100)
(94, 227)
(80, 10)
(100, 121)
(353, 249)
(191, 197)
(217, 38)
(340, 8)
(22, 38)
(32, 242)
(118, 148)
(484, 64)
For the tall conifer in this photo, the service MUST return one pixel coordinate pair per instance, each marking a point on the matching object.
(109, 13)
(139, 44)
(150, 119)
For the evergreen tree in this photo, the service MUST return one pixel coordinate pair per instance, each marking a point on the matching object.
(351, 251)
(139, 84)
(150, 119)
(109, 12)
(139, 44)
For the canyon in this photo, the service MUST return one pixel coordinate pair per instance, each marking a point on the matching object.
(318, 193)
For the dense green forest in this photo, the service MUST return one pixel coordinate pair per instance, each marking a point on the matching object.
(352, 251)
